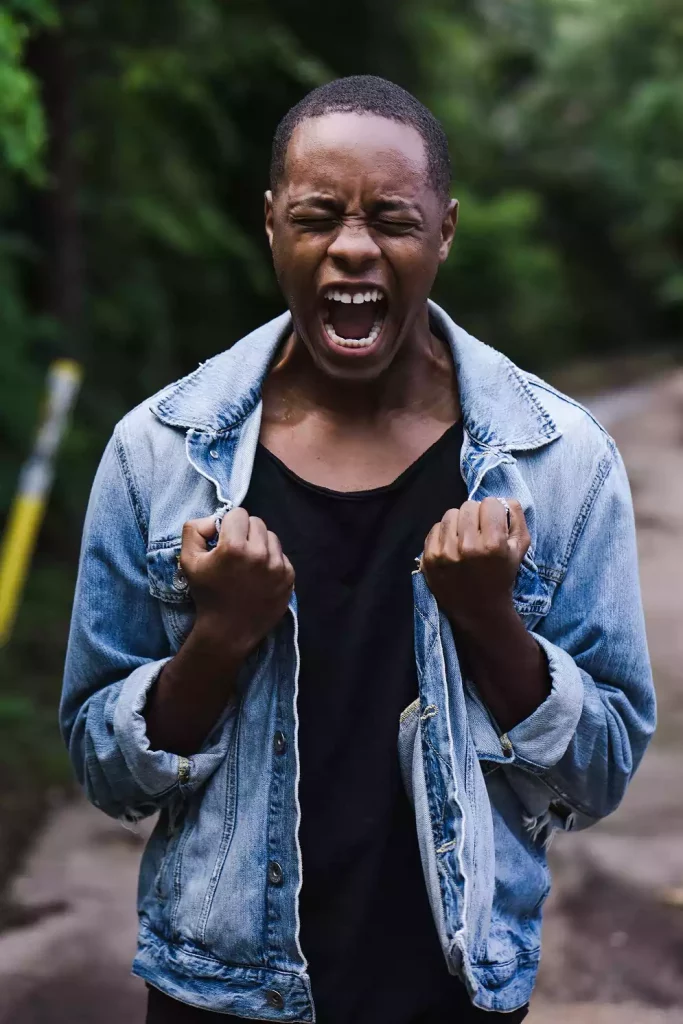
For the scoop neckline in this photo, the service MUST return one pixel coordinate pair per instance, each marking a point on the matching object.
(373, 492)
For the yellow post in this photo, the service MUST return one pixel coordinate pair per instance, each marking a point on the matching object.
(35, 482)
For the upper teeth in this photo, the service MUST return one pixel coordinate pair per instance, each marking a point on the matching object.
(334, 295)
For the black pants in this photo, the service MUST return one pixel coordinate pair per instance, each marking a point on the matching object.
(163, 1010)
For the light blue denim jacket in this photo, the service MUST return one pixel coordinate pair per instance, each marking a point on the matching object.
(221, 875)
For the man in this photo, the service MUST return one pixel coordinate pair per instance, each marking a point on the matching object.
(358, 784)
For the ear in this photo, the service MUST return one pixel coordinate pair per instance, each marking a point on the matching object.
(268, 211)
(448, 226)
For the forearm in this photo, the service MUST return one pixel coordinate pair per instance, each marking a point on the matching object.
(508, 666)
(190, 695)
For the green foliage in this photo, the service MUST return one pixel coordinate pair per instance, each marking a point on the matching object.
(22, 122)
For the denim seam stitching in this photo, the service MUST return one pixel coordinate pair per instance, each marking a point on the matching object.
(131, 490)
(228, 829)
(549, 389)
(603, 471)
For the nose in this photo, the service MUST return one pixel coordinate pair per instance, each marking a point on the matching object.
(354, 246)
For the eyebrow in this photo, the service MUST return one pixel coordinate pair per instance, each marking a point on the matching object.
(388, 205)
(315, 199)
(396, 204)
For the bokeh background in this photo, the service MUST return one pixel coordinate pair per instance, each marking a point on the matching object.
(134, 149)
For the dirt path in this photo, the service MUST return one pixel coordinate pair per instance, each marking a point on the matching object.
(612, 935)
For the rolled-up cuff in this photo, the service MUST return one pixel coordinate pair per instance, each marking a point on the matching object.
(542, 738)
(156, 772)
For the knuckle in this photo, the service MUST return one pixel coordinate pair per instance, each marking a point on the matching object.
(442, 559)
(233, 548)
(470, 549)
(493, 548)
(258, 555)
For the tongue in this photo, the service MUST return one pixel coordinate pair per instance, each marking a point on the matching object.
(351, 320)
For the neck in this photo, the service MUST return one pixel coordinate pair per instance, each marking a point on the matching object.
(420, 380)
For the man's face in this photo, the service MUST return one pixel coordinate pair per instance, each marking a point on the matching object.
(357, 233)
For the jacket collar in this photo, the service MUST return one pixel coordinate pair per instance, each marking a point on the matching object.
(500, 408)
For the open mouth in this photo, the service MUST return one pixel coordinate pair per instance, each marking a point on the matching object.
(353, 318)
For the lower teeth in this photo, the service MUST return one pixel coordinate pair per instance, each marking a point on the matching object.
(355, 342)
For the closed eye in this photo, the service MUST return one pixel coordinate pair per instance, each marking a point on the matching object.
(397, 227)
(315, 223)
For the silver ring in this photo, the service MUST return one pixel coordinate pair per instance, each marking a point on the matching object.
(507, 509)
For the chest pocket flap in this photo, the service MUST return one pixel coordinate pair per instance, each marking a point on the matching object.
(531, 594)
(168, 584)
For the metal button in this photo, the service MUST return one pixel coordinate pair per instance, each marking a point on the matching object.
(180, 580)
(275, 875)
(279, 742)
(506, 745)
(275, 999)
(213, 453)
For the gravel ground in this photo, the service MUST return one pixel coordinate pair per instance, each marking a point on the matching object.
(613, 943)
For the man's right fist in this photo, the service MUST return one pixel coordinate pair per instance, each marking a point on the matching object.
(241, 587)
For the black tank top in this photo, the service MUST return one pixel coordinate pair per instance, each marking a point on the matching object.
(366, 926)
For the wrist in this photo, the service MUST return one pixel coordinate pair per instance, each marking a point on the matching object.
(208, 645)
(491, 618)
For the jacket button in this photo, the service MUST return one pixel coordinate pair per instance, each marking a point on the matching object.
(279, 742)
(213, 453)
(506, 745)
(274, 999)
(275, 875)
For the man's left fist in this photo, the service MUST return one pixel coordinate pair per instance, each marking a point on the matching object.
(471, 559)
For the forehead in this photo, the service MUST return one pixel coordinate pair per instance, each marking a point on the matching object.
(341, 152)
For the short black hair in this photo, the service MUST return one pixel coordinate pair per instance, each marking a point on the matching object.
(367, 94)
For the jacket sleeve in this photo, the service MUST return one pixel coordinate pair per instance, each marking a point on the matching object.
(588, 737)
(117, 649)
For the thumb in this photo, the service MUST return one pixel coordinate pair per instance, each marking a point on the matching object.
(518, 533)
(196, 533)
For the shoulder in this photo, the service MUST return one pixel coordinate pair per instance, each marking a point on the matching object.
(583, 438)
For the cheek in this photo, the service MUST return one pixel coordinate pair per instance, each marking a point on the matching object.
(296, 257)
(415, 264)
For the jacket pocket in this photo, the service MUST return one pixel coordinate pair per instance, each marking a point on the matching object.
(173, 823)
(531, 595)
(168, 584)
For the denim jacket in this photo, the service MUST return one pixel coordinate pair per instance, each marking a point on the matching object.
(221, 874)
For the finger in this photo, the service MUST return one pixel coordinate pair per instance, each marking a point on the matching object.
(289, 570)
(449, 533)
(275, 554)
(519, 532)
(257, 538)
(468, 526)
(432, 545)
(234, 528)
(493, 522)
(196, 532)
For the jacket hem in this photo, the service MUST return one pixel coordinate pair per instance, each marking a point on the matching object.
(505, 987)
(194, 977)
